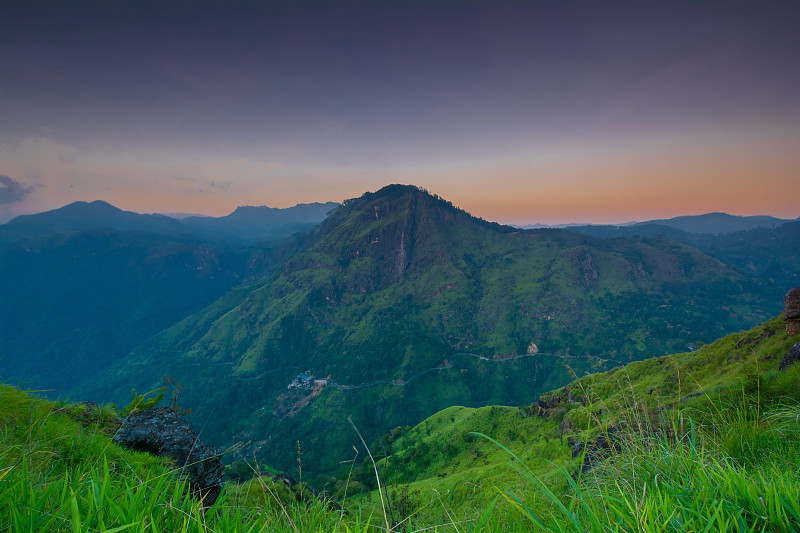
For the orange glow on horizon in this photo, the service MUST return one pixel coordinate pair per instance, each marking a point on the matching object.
(592, 183)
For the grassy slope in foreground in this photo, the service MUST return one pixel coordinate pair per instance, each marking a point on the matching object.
(734, 468)
(729, 403)
(60, 471)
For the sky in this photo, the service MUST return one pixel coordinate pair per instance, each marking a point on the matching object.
(519, 112)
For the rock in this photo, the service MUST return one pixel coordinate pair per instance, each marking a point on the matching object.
(791, 311)
(586, 270)
(602, 447)
(550, 400)
(164, 433)
(791, 357)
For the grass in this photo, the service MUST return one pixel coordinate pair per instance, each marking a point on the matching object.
(728, 399)
(708, 441)
(59, 471)
(658, 483)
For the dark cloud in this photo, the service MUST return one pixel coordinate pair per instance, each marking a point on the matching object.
(12, 190)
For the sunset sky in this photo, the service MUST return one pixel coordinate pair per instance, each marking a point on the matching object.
(519, 112)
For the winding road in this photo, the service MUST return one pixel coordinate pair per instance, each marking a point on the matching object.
(403, 382)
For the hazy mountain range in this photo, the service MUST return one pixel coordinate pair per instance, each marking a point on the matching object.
(246, 224)
(711, 223)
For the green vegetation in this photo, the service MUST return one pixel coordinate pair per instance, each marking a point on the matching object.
(701, 441)
(59, 471)
(768, 254)
(699, 434)
(388, 298)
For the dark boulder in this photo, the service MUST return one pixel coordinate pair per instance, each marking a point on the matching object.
(791, 311)
(791, 357)
(162, 432)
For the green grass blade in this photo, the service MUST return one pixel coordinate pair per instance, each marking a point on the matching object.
(76, 514)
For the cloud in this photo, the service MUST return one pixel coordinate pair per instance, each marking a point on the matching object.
(12, 190)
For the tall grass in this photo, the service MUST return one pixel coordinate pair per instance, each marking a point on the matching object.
(56, 475)
(737, 472)
(740, 473)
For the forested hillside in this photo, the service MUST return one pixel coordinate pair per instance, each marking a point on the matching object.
(400, 305)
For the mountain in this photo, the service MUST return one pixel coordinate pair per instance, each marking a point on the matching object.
(636, 230)
(712, 223)
(245, 225)
(262, 223)
(87, 215)
(771, 254)
(549, 226)
(768, 253)
(84, 284)
(717, 223)
(400, 304)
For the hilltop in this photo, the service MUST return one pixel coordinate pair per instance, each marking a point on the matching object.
(87, 215)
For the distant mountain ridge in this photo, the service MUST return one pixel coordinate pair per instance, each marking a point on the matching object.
(245, 224)
(88, 215)
(709, 223)
(255, 223)
(717, 223)
(770, 253)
